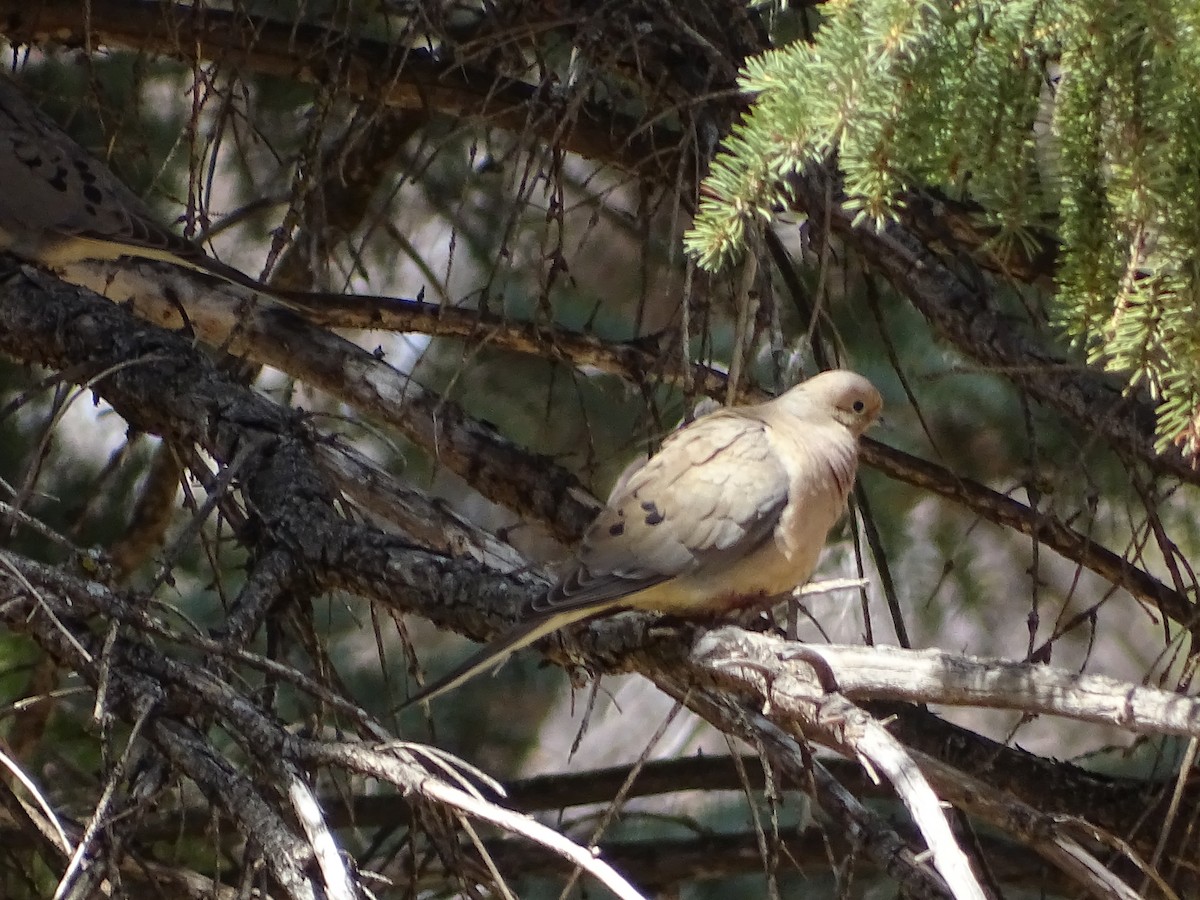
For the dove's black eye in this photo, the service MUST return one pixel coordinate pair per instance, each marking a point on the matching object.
(858, 406)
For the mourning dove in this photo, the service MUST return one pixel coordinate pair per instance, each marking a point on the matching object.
(61, 206)
(731, 512)
(65, 210)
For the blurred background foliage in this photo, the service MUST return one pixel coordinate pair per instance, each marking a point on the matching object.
(518, 223)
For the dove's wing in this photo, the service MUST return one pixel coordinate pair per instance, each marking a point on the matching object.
(53, 191)
(712, 494)
(61, 205)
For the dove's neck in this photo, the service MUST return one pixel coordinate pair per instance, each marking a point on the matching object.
(831, 448)
(821, 461)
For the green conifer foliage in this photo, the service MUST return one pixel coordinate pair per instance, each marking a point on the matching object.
(1080, 118)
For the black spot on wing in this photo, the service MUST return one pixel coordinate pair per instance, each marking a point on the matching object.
(653, 514)
(678, 515)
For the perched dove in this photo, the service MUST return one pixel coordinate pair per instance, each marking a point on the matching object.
(61, 206)
(65, 210)
(731, 512)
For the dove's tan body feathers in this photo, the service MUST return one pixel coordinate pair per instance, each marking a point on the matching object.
(740, 477)
(733, 511)
(63, 209)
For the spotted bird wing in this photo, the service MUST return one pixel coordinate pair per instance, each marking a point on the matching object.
(54, 192)
(52, 184)
(712, 494)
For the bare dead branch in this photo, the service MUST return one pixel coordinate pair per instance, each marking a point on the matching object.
(935, 676)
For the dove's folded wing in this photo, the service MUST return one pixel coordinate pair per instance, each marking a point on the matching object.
(712, 494)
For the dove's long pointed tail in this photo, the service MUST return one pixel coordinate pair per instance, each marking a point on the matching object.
(496, 652)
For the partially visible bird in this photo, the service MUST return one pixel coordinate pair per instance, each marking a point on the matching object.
(63, 209)
(732, 511)
(61, 206)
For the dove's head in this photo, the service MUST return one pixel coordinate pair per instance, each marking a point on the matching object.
(845, 396)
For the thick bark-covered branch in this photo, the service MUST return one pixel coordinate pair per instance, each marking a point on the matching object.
(530, 484)
(162, 384)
